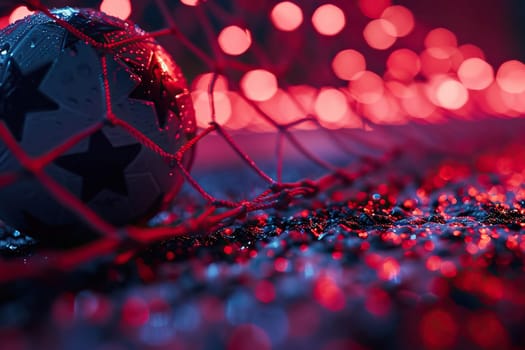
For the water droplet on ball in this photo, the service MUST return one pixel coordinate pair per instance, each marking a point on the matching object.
(4, 50)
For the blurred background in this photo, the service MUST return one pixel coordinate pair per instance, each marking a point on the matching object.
(346, 63)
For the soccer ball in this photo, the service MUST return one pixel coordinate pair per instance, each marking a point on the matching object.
(52, 88)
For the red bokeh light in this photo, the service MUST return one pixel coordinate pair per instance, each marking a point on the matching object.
(433, 263)
(135, 312)
(416, 104)
(116, 8)
(285, 106)
(331, 105)
(348, 63)
(281, 264)
(448, 269)
(259, 85)
(475, 73)
(328, 20)
(19, 13)
(511, 76)
(441, 43)
(403, 64)
(451, 94)
(384, 111)
(234, 40)
(203, 81)
(373, 8)
(190, 2)
(367, 87)
(401, 18)
(470, 51)
(514, 102)
(328, 294)
(431, 65)
(380, 34)
(388, 269)
(286, 16)
(378, 302)
(265, 291)
(203, 112)
(398, 89)
(4, 22)
(244, 115)
(304, 95)
(492, 100)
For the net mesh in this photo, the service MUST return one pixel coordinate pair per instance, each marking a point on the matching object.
(284, 88)
(217, 211)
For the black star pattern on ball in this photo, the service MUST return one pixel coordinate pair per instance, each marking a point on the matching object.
(19, 95)
(158, 89)
(102, 166)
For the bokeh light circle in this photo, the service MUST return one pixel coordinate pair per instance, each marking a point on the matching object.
(259, 85)
(373, 8)
(380, 34)
(348, 63)
(331, 105)
(511, 76)
(470, 50)
(475, 73)
(451, 94)
(367, 87)
(190, 2)
(328, 20)
(203, 81)
(19, 13)
(234, 40)
(401, 18)
(415, 102)
(431, 65)
(441, 43)
(203, 112)
(117, 8)
(286, 16)
(403, 64)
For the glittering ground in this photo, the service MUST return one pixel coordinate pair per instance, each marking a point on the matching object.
(429, 259)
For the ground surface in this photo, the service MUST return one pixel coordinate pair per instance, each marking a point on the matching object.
(428, 257)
